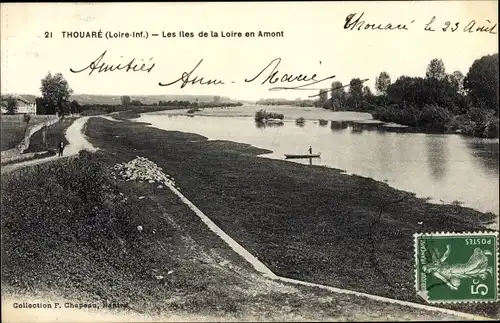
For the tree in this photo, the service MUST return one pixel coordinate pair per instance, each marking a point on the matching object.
(481, 82)
(323, 97)
(337, 95)
(40, 106)
(458, 78)
(382, 82)
(55, 91)
(11, 105)
(436, 69)
(125, 101)
(75, 107)
(355, 92)
(419, 91)
(367, 93)
(65, 108)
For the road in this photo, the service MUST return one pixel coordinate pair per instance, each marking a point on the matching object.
(77, 141)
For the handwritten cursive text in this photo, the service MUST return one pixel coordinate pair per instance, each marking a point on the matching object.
(354, 22)
(274, 77)
(104, 67)
(187, 78)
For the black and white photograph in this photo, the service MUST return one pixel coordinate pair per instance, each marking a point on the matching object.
(249, 161)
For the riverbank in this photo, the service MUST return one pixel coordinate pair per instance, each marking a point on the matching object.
(136, 249)
(309, 223)
(14, 130)
(82, 242)
(481, 125)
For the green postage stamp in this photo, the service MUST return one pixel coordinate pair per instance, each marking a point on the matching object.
(457, 267)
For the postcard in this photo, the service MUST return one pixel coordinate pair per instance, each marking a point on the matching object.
(249, 161)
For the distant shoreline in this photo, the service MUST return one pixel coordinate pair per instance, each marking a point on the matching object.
(386, 126)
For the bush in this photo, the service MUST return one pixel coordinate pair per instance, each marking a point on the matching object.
(300, 120)
(70, 203)
(429, 117)
(11, 105)
(478, 123)
(434, 117)
(272, 115)
(262, 114)
(491, 129)
(323, 122)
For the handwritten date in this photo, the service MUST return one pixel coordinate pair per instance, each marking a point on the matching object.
(358, 22)
(471, 26)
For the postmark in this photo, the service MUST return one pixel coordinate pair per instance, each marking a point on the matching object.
(457, 267)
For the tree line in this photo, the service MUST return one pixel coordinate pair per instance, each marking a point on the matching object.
(297, 102)
(126, 101)
(56, 95)
(440, 101)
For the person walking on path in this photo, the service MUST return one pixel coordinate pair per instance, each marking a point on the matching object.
(310, 150)
(61, 148)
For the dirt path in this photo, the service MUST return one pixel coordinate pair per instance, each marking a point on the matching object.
(77, 141)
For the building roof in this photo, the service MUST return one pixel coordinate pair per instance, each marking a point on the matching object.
(17, 97)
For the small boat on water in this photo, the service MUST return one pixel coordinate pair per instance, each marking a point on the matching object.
(289, 156)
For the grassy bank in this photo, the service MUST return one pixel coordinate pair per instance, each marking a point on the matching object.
(13, 129)
(309, 223)
(70, 230)
(54, 134)
(81, 241)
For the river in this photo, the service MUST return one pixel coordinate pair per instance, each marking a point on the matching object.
(443, 168)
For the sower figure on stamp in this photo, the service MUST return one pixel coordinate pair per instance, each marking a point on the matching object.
(451, 274)
(61, 148)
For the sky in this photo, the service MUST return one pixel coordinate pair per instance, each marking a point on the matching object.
(314, 42)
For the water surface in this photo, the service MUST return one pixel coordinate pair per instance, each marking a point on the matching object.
(444, 168)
